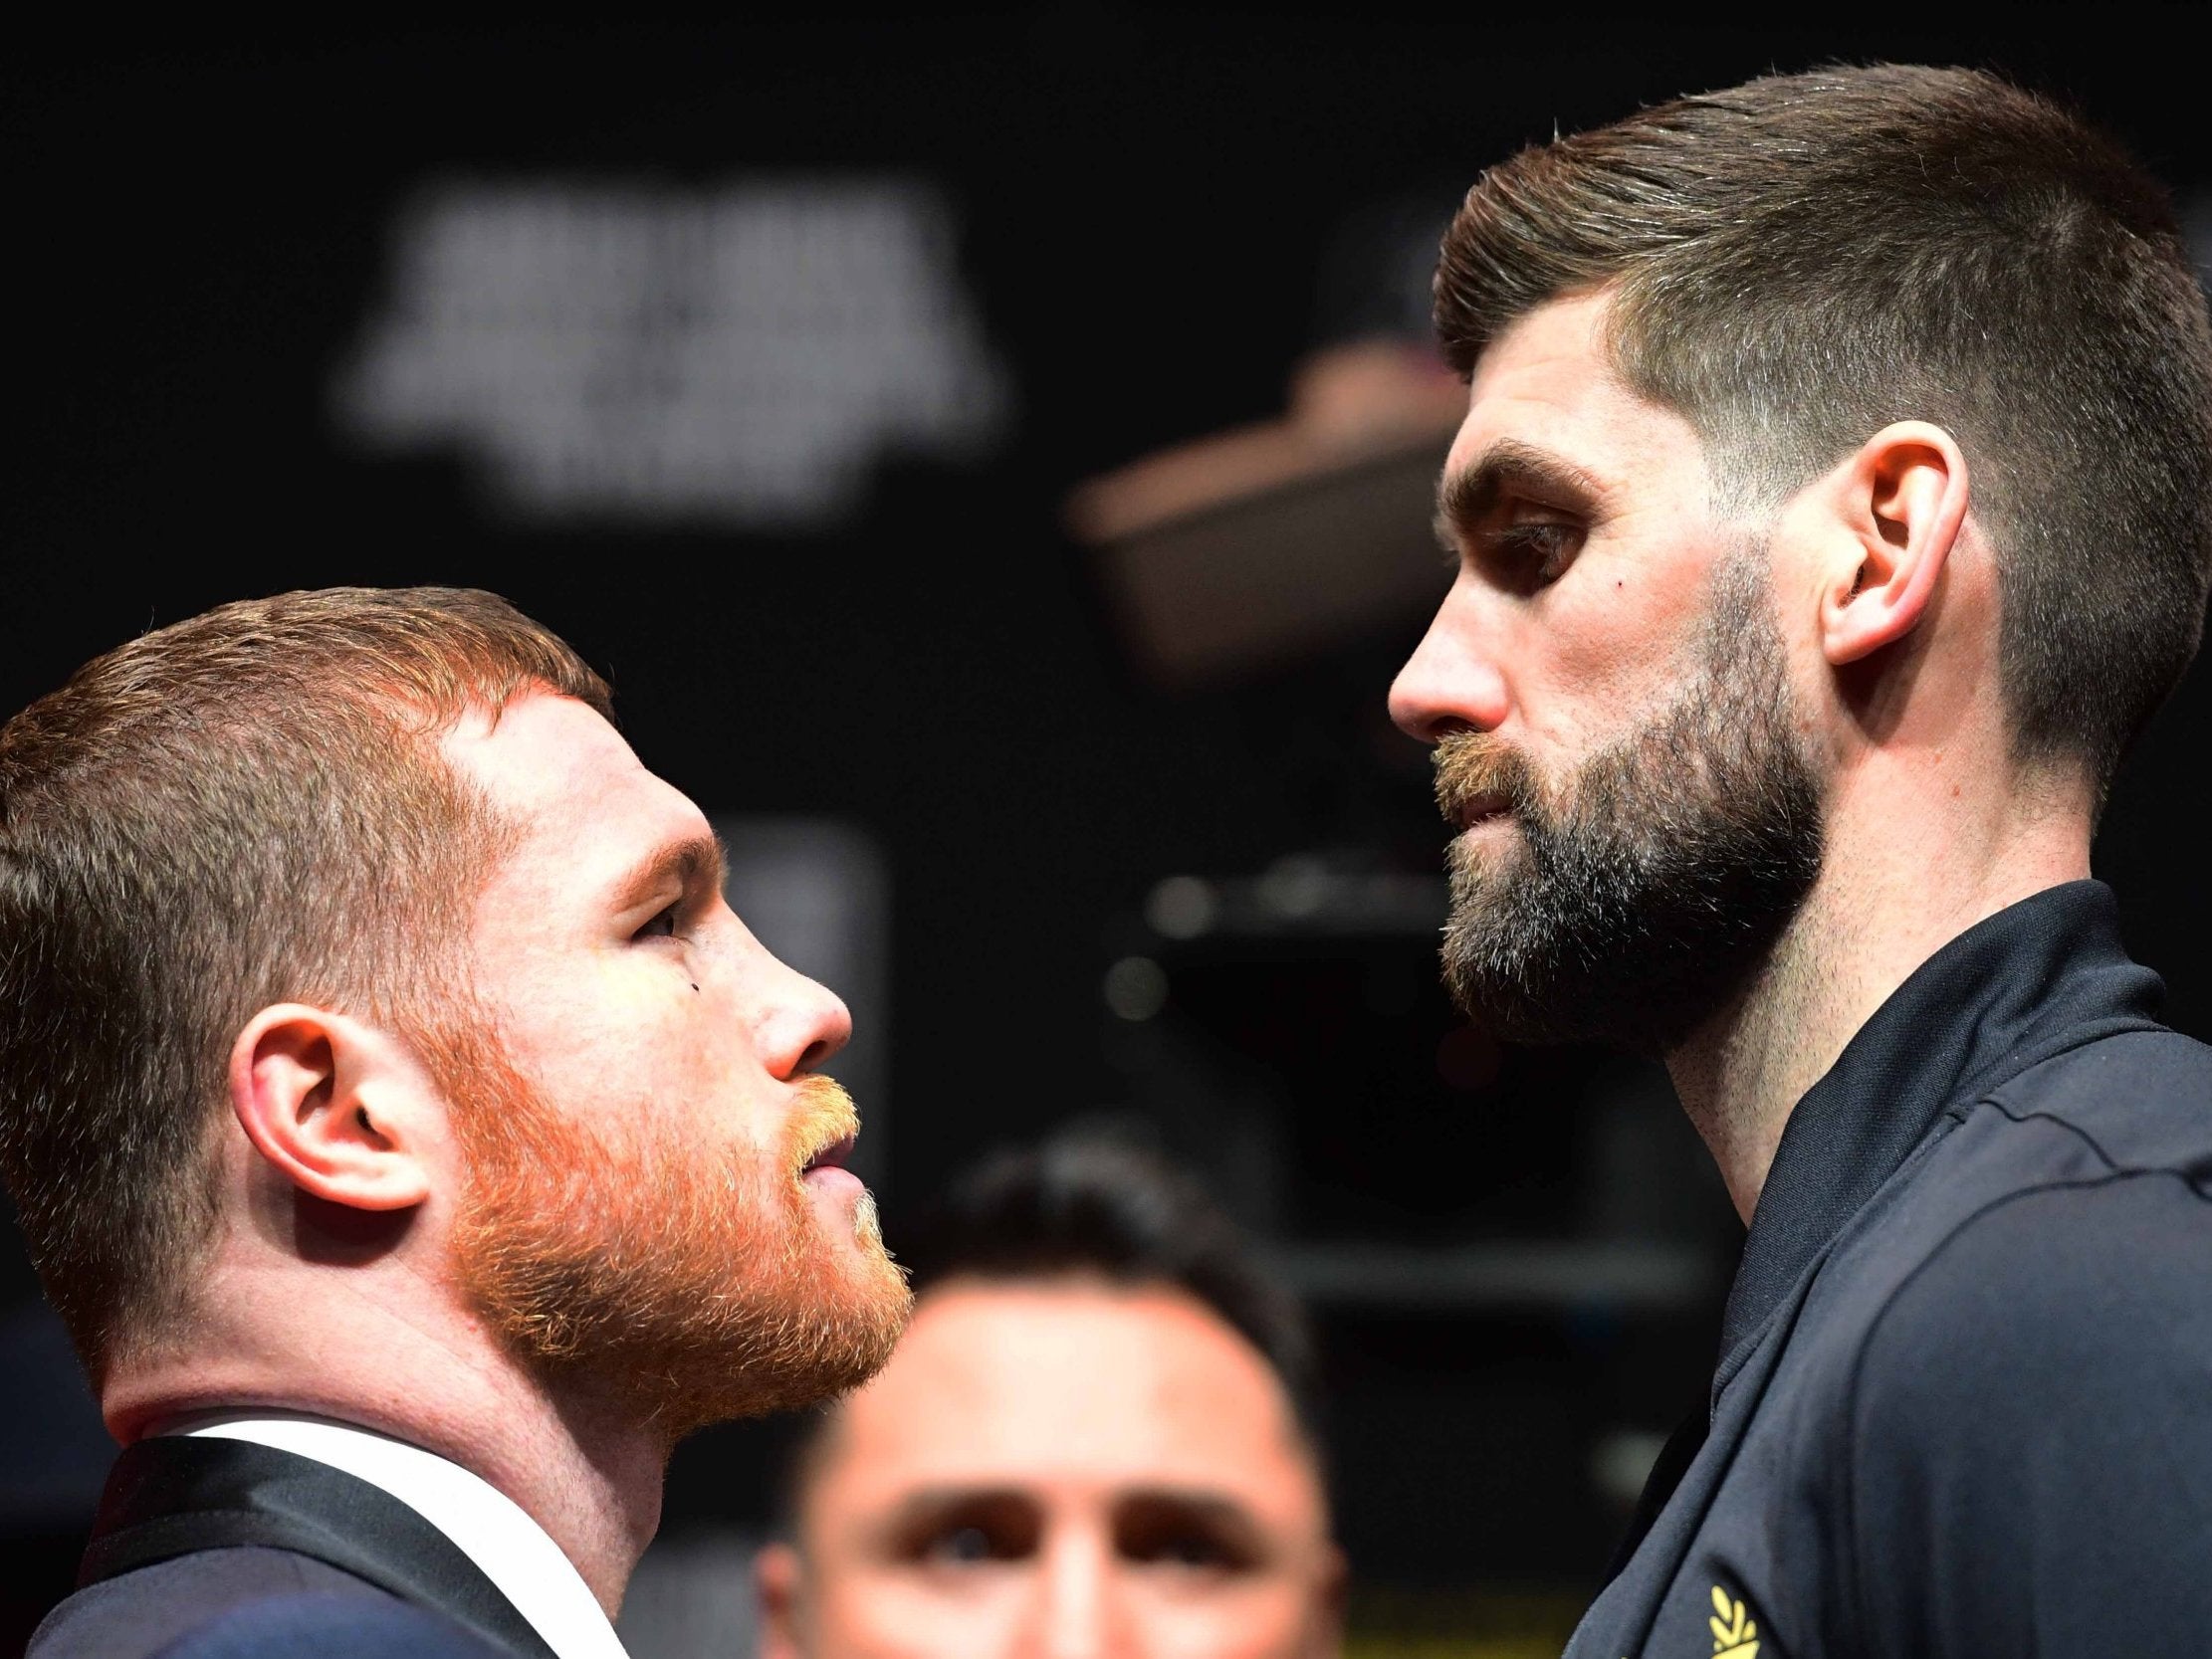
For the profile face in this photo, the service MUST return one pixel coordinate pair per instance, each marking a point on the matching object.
(1060, 1469)
(1621, 752)
(654, 1180)
(1582, 559)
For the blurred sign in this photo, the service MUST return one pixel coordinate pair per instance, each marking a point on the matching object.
(741, 356)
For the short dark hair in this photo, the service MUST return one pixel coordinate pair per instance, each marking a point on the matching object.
(245, 808)
(1797, 261)
(1101, 1208)
(1090, 1206)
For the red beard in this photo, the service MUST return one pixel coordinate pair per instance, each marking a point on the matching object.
(695, 1282)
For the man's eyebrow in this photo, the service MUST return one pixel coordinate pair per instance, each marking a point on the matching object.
(920, 1512)
(1466, 497)
(1230, 1518)
(694, 861)
(1218, 1507)
(931, 1501)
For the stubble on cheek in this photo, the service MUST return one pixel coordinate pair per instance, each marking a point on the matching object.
(1633, 897)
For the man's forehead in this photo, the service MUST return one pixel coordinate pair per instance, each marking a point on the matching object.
(1548, 384)
(1014, 1378)
(1547, 374)
(555, 764)
(1565, 337)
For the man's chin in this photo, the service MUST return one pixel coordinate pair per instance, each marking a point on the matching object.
(1513, 1013)
(1639, 995)
(1525, 982)
(804, 1348)
(733, 1327)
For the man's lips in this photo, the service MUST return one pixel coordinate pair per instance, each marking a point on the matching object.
(832, 1157)
(1480, 809)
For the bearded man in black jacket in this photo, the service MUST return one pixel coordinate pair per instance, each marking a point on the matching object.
(1832, 506)
(414, 1143)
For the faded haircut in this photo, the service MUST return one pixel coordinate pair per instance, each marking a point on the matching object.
(1802, 260)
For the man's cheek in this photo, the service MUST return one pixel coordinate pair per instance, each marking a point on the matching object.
(1616, 673)
(619, 1019)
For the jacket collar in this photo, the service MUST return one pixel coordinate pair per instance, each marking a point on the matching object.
(175, 1494)
(2037, 977)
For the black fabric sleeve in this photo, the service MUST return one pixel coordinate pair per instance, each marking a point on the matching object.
(2029, 1449)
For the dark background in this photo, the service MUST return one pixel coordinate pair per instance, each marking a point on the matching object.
(1151, 204)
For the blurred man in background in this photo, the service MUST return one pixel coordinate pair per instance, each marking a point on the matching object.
(1093, 1440)
(1834, 505)
(413, 1140)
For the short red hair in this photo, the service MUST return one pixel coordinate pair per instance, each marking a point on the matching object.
(245, 808)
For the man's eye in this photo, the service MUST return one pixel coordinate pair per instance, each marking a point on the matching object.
(964, 1545)
(662, 926)
(1175, 1549)
(1539, 550)
(1172, 1533)
(971, 1546)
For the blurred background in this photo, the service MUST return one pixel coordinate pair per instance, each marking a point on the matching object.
(990, 454)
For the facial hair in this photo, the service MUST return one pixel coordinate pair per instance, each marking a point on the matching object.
(1641, 895)
(695, 1281)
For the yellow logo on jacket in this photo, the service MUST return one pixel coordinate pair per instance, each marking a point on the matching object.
(1735, 1636)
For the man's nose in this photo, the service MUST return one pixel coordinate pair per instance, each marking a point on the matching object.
(1453, 682)
(801, 1023)
(1075, 1614)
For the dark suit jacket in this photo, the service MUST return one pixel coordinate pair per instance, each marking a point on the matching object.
(210, 1548)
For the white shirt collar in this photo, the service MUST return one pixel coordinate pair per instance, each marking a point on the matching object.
(491, 1528)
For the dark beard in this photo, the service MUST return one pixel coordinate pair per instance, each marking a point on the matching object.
(1643, 895)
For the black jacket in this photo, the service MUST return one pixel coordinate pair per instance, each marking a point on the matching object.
(223, 1546)
(1964, 1402)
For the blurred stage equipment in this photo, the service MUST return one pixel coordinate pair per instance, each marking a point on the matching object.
(739, 356)
(1239, 552)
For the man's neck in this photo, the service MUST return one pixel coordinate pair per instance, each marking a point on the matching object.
(1885, 902)
(588, 1473)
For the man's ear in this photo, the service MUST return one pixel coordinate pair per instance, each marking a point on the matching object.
(333, 1105)
(1900, 510)
(776, 1575)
